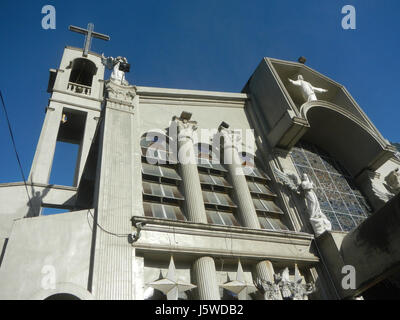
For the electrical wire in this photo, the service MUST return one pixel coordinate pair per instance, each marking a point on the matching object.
(15, 148)
(106, 231)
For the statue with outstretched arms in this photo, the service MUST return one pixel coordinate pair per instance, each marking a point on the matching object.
(307, 90)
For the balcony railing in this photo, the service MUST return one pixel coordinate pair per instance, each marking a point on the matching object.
(79, 88)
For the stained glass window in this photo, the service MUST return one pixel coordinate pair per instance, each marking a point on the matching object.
(339, 199)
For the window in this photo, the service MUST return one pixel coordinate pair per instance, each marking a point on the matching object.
(159, 171)
(223, 218)
(218, 199)
(161, 197)
(206, 159)
(271, 223)
(249, 167)
(163, 211)
(263, 205)
(340, 200)
(213, 180)
(260, 189)
(162, 190)
(155, 148)
(81, 77)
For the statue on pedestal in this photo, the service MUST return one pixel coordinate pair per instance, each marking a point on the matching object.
(114, 64)
(307, 90)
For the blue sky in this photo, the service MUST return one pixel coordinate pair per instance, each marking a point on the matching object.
(204, 45)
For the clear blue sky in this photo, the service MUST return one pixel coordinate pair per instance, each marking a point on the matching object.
(205, 45)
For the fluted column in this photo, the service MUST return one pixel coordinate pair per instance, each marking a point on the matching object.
(205, 278)
(194, 203)
(264, 271)
(244, 201)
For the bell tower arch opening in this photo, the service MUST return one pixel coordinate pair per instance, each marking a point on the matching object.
(81, 77)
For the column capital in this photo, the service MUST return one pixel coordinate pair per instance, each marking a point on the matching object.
(186, 128)
(120, 94)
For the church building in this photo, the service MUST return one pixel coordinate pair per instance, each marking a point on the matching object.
(283, 191)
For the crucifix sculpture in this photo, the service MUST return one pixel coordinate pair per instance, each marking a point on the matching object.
(89, 33)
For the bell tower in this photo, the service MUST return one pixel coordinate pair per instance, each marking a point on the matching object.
(76, 89)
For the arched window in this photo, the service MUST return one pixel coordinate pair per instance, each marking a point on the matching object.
(155, 148)
(161, 196)
(339, 198)
(81, 77)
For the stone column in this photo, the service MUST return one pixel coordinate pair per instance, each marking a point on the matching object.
(205, 278)
(43, 160)
(194, 203)
(264, 270)
(247, 211)
(112, 276)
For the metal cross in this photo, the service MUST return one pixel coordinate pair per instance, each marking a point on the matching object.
(89, 34)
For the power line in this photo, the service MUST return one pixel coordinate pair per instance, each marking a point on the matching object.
(15, 148)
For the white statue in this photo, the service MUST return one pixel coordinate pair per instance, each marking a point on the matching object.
(393, 181)
(307, 90)
(318, 220)
(117, 76)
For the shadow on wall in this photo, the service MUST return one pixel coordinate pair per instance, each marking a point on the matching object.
(35, 202)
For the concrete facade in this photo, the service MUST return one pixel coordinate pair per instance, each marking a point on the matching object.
(125, 221)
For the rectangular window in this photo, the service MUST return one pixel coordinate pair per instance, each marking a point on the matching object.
(222, 218)
(213, 180)
(266, 206)
(259, 188)
(163, 211)
(216, 198)
(255, 173)
(162, 190)
(272, 223)
(158, 171)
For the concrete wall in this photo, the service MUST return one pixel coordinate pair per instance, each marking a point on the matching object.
(373, 247)
(38, 244)
(14, 202)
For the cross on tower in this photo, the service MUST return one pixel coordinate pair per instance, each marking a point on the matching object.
(89, 33)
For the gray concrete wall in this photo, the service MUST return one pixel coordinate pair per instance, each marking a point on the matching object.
(14, 202)
(38, 244)
(373, 248)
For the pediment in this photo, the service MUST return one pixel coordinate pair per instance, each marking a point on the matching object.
(337, 93)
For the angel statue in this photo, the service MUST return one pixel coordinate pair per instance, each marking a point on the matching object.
(307, 90)
(318, 220)
(113, 64)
